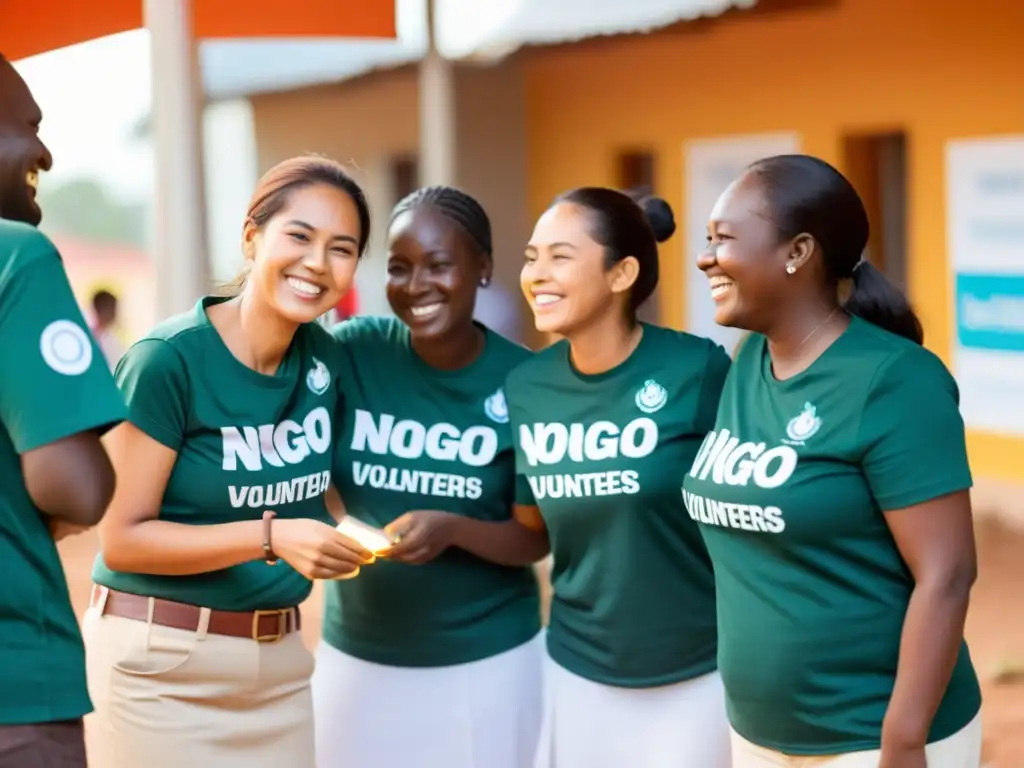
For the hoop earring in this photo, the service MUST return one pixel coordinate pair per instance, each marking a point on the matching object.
(790, 269)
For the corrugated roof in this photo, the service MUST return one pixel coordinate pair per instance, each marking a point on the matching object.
(467, 29)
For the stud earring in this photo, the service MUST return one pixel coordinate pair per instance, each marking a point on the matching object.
(790, 269)
(485, 281)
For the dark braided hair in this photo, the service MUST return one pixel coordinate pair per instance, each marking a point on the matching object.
(457, 206)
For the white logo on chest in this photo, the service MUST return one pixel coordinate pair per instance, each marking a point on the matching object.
(552, 443)
(276, 444)
(318, 379)
(803, 426)
(408, 439)
(651, 397)
(496, 408)
(731, 462)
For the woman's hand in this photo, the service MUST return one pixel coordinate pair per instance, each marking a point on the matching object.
(421, 535)
(317, 550)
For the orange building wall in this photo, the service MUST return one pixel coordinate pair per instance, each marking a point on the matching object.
(824, 72)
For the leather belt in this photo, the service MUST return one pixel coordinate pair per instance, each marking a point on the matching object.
(261, 626)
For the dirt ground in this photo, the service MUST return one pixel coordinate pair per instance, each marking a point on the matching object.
(995, 630)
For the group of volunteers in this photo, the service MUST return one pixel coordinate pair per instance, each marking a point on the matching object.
(757, 562)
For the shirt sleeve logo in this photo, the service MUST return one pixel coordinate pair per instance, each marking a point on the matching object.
(803, 426)
(651, 397)
(319, 378)
(496, 408)
(66, 348)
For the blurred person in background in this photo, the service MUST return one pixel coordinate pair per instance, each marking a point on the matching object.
(605, 424)
(194, 652)
(833, 493)
(432, 658)
(104, 327)
(56, 398)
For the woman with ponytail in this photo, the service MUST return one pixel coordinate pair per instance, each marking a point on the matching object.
(833, 493)
(605, 424)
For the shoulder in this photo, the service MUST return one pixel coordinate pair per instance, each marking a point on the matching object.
(905, 367)
(164, 349)
(509, 353)
(539, 366)
(23, 245)
(684, 347)
(367, 329)
(177, 328)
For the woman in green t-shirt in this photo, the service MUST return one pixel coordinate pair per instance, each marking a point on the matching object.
(194, 654)
(432, 657)
(833, 493)
(605, 423)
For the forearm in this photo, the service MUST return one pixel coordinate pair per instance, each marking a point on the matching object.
(163, 548)
(506, 542)
(932, 633)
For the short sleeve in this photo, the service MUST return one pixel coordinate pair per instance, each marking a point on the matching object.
(524, 493)
(363, 328)
(912, 433)
(55, 380)
(715, 371)
(155, 384)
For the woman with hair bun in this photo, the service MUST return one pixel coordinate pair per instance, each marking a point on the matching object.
(605, 424)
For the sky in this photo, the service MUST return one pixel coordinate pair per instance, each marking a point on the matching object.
(91, 96)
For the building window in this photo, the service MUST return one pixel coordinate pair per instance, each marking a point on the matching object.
(636, 172)
(405, 175)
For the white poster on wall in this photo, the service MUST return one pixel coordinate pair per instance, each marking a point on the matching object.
(985, 221)
(711, 164)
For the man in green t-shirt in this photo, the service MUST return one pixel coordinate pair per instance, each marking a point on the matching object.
(56, 397)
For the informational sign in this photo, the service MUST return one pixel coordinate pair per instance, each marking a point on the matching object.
(711, 165)
(985, 219)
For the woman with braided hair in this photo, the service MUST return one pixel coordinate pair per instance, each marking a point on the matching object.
(432, 658)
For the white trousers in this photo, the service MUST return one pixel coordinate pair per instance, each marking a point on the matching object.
(961, 750)
(590, 725)
(484, 714)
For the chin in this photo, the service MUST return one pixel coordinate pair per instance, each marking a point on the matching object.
(302, 314)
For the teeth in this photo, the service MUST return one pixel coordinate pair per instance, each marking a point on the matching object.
(32, 179)
(304, 287)
(720, 290)
(426, 310)
(543, 299)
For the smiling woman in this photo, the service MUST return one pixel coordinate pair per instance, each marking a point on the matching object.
(224, 464)
(605, 424)
(439, 640)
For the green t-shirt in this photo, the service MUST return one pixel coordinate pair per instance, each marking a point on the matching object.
(789, 489)
(634, 592)
(246, 442)
(415, 437)
(55, 383)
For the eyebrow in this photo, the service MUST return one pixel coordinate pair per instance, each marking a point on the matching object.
(553, 245)
(311, 228)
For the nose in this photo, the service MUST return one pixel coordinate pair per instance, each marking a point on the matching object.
(45, 158)
(707, 258)
(419, 282)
